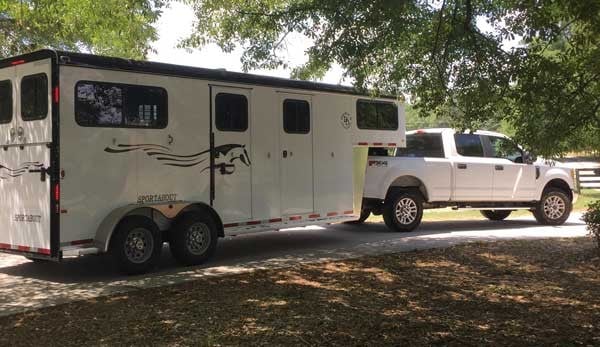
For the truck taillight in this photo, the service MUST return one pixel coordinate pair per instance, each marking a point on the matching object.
(57, 192)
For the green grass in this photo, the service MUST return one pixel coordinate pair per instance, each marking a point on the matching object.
(585, 197)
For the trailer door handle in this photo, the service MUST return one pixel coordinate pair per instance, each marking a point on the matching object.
(43, 172)
(499, 167)
(285, 153)
(461, 166)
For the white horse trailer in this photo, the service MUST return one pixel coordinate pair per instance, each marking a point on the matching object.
(111, 155)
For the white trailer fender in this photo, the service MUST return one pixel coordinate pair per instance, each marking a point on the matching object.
(168, 211)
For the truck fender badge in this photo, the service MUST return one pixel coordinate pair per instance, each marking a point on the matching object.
(378, 163)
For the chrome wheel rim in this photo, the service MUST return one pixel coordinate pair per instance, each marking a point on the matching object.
(198, 238)
(406, 211)
(139, 245)
(554, 207)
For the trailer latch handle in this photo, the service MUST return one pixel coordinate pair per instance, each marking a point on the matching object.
(43, 172)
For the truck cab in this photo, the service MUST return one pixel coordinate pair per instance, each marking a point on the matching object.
(481, 170)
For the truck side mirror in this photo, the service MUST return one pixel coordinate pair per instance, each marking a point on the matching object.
(529, 158)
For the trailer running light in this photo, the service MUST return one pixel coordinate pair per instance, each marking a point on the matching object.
(57, 192)
(17, 62)
(56, 95)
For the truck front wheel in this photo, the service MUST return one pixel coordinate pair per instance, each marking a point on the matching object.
(554, 208)
(403, 211)
(496, 214)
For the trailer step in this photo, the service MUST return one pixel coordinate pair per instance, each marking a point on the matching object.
(76, 252)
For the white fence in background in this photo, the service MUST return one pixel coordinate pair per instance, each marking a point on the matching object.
(588, 178)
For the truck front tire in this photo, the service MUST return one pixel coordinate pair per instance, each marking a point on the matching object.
(554, 208)
(193, 239)
(403, 211)
(136, 245)
(496, 215)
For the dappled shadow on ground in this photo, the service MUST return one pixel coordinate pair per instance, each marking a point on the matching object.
(508, 293)
(27, 285)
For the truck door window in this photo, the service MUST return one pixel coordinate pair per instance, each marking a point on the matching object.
(296, 116)
(34, 97)
(376, 115)
(116, 105)
(505, 149)
(6, 102)
(231, 112)
(422, 145)
(468, 145)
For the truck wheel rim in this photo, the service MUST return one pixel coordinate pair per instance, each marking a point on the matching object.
(198, 238)
(139, 245)
(554, 207)
(406, 211)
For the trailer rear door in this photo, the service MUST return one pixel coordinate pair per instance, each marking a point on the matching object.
(25, 187)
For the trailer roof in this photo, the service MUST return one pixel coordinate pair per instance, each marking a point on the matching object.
(112, 63)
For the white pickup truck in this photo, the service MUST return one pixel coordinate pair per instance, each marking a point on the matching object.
(482, 170)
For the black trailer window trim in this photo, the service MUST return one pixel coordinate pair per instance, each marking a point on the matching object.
(36, 109)
(296, 116)
(6, 101)
(383, 120)
(231, 112)
(157, 105)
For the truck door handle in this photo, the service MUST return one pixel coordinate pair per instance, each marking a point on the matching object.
(461, 166)
(285, 153)
(499, 167)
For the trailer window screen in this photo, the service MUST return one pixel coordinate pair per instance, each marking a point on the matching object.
(376, 115)
(6, 102)
(34, 97)
(468, 145)
(296, 116)
(100, 104)
(231, 112)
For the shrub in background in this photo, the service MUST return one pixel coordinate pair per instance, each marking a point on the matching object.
(592, 219)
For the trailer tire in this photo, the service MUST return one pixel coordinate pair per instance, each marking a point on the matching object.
(496, 215)
(193, 239)
(403, 211)
(554, 208)
(136, 245)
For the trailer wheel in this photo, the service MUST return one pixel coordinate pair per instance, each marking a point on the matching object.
(193, 239)
(496, 215)
(554, 208)
(403, 211)
(136, 245)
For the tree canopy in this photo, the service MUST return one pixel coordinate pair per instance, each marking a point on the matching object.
(450, 57)
(114, 27)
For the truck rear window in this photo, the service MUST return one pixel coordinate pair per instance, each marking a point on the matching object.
(468, 145)
(6, 103)
(376, 115)
(34, 97)
(422, 145)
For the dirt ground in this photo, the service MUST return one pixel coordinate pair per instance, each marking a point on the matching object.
(542, 292)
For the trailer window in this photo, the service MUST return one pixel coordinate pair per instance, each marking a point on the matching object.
(296, 116)
(376, 115)
(34, 97)
(231, 112)
(100, 104)
(468, 145)
(6, 102)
